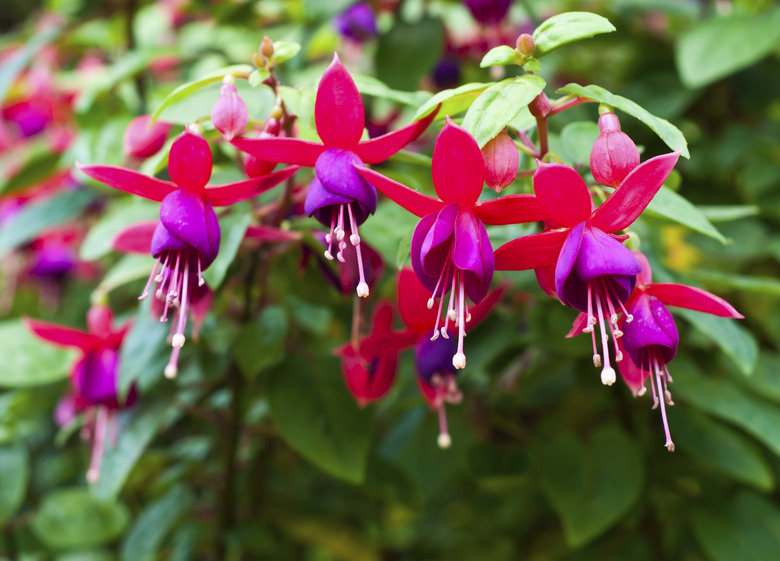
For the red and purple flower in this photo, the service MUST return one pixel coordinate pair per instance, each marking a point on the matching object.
(338, 196)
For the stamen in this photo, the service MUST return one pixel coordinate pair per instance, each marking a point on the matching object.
(444, 440)
(145, 293)
(178, 338)
(98, 445)
(172, 368)
(451, 314)
(438, 314)
(201, 280)
(669, 444)
(591, 320)
(459, 360)
(355, 237)
(608, 376)
(172, 287)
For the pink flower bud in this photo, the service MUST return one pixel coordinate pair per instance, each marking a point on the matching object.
(540, 106)
(501, 161)
(525, 44)
(143, 138)
(255, 167)
(229, 114)
(614, 154)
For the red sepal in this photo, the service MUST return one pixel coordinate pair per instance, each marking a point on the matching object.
(580, 323)
(633, 195)
(59, 335)
(283, 150)
(530, 252)
(511, 209)
(382, 147)
(692, 298)
(231, 193)
(562, 194)
(338, 109)
(413, 201)
(271, 234)
(130, 181)
(136, 238)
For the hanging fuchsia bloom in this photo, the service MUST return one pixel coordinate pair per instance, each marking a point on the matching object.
(614, 154)
(94, 377)
(650, 340)
(594, 272)
(186, 239)
(369, 376)
(357, 22)
(338, 197)
(488, 11)
(451, 251)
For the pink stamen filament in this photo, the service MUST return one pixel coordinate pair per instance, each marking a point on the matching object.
(201, 280)
(362, 287)
(450, 308)
(173, 285)
(607, 373)
(98, 444)
(662, 398)
(459, 360)
(145, 293)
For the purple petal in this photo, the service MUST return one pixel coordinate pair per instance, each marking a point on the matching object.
(435, 250)
(601, 254)
(434, 357)
(188, 217)
(567, 285)
(473, 254)
(418, 238)
(335, 168)
(652, 325)
(95, 377)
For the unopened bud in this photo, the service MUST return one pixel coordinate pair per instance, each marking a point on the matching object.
(229, 114)
(501, 161)
(259, 60)
(525, 44)
(614, 154)
(142, 138)
(540, 106)
(267, 47)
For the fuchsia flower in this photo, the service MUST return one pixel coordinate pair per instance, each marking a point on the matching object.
(186, 240)
(650, 340)
(488, 11)
(356, 22)
(371, 370)
(144, 138)
(594, 271)
(451, 251)
(338, 197)
(94, 376)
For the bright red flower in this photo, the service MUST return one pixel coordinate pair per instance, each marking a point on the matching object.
(450, 250)
(594, 272)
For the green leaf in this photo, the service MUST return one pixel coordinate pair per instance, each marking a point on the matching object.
(720, 447)
(29, 361)
(147, 533)
(452, 101)
(15, 470)
(144, 351)
(727, 213)
(121, 213)
(128, 65)
(747, 528)
(260, 343)
(723, 399)
(767, 286)
(568, 27)
(404, 249)
(722, 46)
(591, 485)
(499, 56)
(670, 134)
(36, 217)
(39, 165)
(129, 268)
(258, 76)
(316, 416)
(138, 430)
(233, 230)
(497, 467)
(408, 51)
(368, 85)
(284, 50)
(668, 204)
(733, 339)
(185, 90)
(387, 229)
(388, 482)
(499, 104)
(20, 58)
(70, 518)
(577, 139)
(765, 381)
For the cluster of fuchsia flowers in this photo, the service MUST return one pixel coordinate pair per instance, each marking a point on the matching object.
(579, 257)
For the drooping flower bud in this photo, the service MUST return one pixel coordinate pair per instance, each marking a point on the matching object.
(143, 138)
(540, 106)
(229, 114)
(501, 160)
(255, 167)
(525, 44)
(614, 154)
(488, 11)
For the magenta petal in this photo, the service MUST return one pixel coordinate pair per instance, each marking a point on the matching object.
(567, 284)
(562, 193)
(433, 357)
(338, 109)
(633, 195)
(510, 209)
(652, 326)
(417, 256)
(473, 254)
(59, 335)
(231, 193)
(415, 202)
(601, 254)
(95, 377)
(189, 161)
(530, 252)
(382, 147)
(136, 238)
(645, 277)
(692, 298)
(188, 217)
(458, 169)
(130, 181)
(320, 202)
(436, 247)
(336, 169)
(163, 240)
